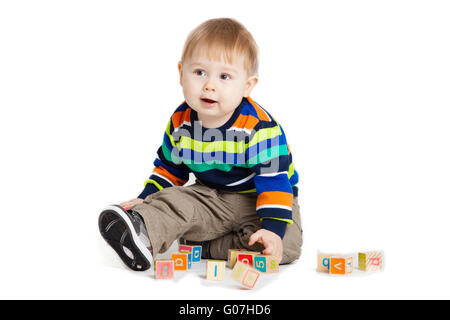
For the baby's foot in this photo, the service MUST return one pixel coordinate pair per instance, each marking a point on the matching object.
(126, 233)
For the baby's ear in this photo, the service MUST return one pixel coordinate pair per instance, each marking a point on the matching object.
(180, 70)
(251, 83)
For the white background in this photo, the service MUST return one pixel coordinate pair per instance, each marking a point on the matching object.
(361, 89)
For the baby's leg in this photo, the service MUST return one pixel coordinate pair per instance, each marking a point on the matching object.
(249, 223)
(195, 213)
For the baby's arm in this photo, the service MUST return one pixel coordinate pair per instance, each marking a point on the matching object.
(272, 171)
(271, 162)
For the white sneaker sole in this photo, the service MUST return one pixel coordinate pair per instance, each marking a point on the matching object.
(135, 238)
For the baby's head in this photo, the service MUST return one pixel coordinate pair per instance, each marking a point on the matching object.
(218, 67)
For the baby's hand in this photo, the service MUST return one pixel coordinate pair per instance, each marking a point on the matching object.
(271, 241)
(128, 204)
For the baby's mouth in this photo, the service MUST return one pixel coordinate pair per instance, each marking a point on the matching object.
(208, 100)
(208, 103)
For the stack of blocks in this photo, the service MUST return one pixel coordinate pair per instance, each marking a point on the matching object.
(180, 261)
(343, 264)
(195, 250)
(262, 263)
(247, 265)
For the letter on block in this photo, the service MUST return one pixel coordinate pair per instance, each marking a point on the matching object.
(267, 264)
(215, 269)
(370, 261)
(232, 254)
(164, 269)
(323, 262)
(189, 260)
(181, 260)
(246, 257)
(342, 265)
(244, 274)
(195, 250)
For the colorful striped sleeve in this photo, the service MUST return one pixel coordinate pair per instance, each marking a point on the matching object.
(269, 158)
(168, 172)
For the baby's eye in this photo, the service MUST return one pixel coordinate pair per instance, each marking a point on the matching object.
(225, 76)
(199, 72)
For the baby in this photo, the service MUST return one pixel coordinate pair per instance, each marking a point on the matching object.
(245, 195)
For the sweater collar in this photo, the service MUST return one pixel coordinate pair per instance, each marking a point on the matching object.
(226, 125)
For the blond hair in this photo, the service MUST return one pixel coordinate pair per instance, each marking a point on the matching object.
(223, 37)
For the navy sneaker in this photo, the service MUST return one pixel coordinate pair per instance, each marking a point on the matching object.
(125, 232)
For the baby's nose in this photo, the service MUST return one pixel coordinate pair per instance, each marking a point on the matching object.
(209, 86)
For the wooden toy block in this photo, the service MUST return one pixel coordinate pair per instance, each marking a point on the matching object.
(323, 262)
(232, 257)
(181, 260)
(370, 261)
(245, 275)
(341, 265)
(195, 250)
(265, 263)
(246, 257)
(164, 269)
(215, 269)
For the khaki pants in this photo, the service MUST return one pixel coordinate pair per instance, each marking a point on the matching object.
(199, 213)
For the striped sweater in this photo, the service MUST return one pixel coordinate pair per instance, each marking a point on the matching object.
(249, 153)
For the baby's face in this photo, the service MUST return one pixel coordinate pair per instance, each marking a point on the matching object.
(214, 88)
